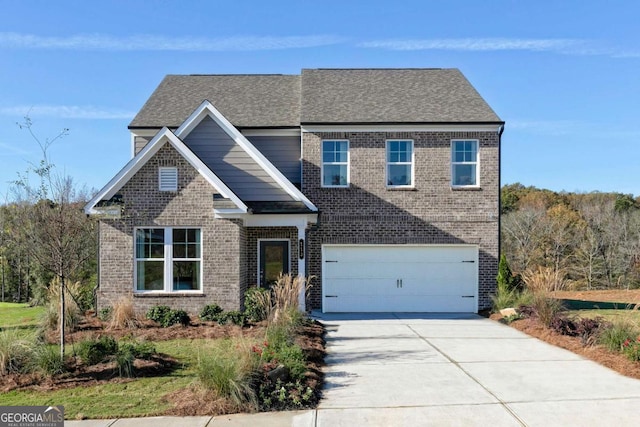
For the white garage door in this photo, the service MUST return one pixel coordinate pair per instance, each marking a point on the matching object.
(400, 278)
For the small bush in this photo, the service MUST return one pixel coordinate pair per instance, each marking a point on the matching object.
(104, 313)
(140, 350)
(210, 312)
(15, 352)
(257, 304)
(166, 317)
(616, 334)
(124, 360)
(588, 329)
(546, 308)
(47, 359)
(544, 279)
(229, 370)
(158, 313)
(235, 317)
(123, 315)
(631, 349)
(563, 326)
(92, 352)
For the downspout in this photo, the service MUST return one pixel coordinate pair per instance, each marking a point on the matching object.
(97, 286)
(500, 131)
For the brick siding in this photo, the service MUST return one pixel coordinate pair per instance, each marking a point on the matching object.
(224, 248)
(367, 212)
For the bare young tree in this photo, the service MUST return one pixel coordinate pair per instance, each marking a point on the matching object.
(58, 233)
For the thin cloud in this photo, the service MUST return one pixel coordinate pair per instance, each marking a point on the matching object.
(161, 43)
(563, 46)
(7, 150)
(66, 112)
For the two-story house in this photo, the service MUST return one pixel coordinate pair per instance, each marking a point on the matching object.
(383, 184)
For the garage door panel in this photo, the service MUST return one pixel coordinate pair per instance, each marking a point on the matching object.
(400, 304)
(411, 278)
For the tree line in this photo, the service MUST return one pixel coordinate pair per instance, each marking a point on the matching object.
(589, 240)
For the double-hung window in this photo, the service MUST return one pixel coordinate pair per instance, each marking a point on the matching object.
(335, 163)
(399, 163)
(464, 163)
(168, 259)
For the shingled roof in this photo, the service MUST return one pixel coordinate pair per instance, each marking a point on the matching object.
(258, 100)
(391, 96)
(320, 96)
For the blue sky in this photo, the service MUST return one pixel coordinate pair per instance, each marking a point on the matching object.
(564, 75)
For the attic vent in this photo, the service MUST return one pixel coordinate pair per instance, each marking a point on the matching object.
(168, 178)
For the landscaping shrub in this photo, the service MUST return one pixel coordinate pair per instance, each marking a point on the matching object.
(124, 360)
(123, 315)
(235, 317)
(544, 279)
(210, 312)
(176, 317)
(47, 359)
(617, 333)
(257, 304)
(506, 281)
(15, 352)
(166, 317)
(563, 326)
(158, 313)
(286, 294)
(546, 308)
(228, 368)
(92, 352)
(588, 329)
(72, 311)
(104, 313)
(631, 349)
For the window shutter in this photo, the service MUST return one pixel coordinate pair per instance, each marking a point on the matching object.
(168, 179)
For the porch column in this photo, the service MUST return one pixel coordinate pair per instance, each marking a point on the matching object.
(302, 257)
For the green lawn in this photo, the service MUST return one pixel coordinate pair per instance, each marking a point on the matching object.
(610, 315)
(140, 397)
(13, 315)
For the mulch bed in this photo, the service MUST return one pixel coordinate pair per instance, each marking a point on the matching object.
(191, 401)
(616, 361)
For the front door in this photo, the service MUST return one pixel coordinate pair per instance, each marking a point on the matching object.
(274, 260)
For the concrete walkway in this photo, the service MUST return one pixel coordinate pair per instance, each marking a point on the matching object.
(443, 370)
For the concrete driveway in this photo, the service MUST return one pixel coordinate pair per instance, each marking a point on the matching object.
(438, 370)
(462, 370)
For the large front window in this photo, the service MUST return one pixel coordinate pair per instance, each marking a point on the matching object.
(399, 163)
(335, 163)
(168, 259)
(464, 163)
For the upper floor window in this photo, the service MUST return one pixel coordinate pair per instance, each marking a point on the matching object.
(335, 163)
(168, 179)
(168, 259)
(400, 163)
(464, 163)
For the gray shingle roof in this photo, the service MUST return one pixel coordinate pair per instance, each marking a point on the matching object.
(320, 96)
(391, 96)
(245, 100)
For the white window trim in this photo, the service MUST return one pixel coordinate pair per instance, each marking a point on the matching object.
(477, 163)
(161, 181)
(168, 262)
(323, 163)
(387, 163)
(275, 239)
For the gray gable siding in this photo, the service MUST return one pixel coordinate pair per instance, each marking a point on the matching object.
(232, 164)
(140, 142)
(283, 152)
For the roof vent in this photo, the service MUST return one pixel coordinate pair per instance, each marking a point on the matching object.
(168, 178)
